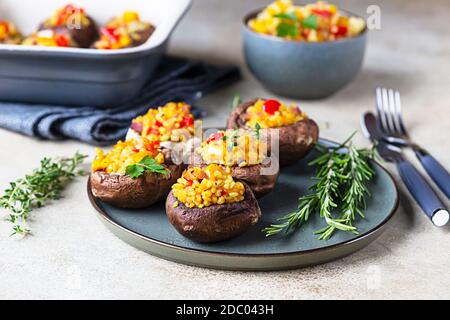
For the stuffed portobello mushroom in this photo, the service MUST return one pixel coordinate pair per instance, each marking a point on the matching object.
(170, 128)
(72, 22)
(125, 31)
(207, 205)
(297, 133)
(134, 174)
(245, 153)
(9, 33)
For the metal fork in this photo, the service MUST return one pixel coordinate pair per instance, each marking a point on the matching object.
(390, 121)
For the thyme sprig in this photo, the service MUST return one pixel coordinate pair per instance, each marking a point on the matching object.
(38, 188)
(341, 185)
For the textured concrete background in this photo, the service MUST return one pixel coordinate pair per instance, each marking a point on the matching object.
(72, 255)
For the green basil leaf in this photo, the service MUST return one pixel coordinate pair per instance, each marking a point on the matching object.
(134, 171)
(287, 29)
(310, 22)
(287, 16)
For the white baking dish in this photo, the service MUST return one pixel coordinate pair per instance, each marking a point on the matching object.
(104, 77)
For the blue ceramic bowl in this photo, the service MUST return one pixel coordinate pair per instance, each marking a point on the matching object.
(303, 70)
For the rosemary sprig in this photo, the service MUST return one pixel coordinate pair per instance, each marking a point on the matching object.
(307, 206)
(38, 188)
(342, 179)
(357, 173)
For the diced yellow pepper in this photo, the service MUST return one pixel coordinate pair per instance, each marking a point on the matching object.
(130, 16)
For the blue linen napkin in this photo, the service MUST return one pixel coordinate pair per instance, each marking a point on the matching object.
(177, 79)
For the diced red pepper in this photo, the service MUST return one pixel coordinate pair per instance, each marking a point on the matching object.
(111, 33)
(152, 131)
(187, 121)
(61, 20)
(70, 9)
(215, 137)
(271, 106)
(224, 193)
(149, 147)
(61, 40)
(135, 150)
(189, 182)
(158, 123)
(137, 126)
(323, 13)
(339, 31)
(152, 146)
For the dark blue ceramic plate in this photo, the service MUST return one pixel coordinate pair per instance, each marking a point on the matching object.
(150, 231)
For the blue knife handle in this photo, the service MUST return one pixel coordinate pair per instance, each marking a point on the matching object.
(419, 188)
(435, 170)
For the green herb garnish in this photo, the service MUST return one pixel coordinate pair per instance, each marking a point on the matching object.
(134, 171)
(287, 29)
(258, 130)
(341, 186)
(287, 16)
(311, 22)
(38, 188)
(289, 25)
(236, 101)
(231, 139)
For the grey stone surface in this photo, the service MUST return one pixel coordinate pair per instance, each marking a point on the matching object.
(71, 255)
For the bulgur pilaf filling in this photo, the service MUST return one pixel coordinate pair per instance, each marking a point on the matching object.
(212, 185)
(172, 122)
(9, 33)
(121, 31)
(272, 114)
(124, 154)
(233, 147)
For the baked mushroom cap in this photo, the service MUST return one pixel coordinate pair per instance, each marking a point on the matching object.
(251, 175)
(214, 223)
(137, 38)
(295, 141)
(143, 36)
(83, 37)
(122, 191)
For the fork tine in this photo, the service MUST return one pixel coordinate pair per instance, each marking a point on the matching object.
(378, 106)
(392, 113)
(398, 111)
(386, 111)
(380, 113)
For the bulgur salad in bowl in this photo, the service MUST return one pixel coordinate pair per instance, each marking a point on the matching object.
(315, 22)
(304, 52)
